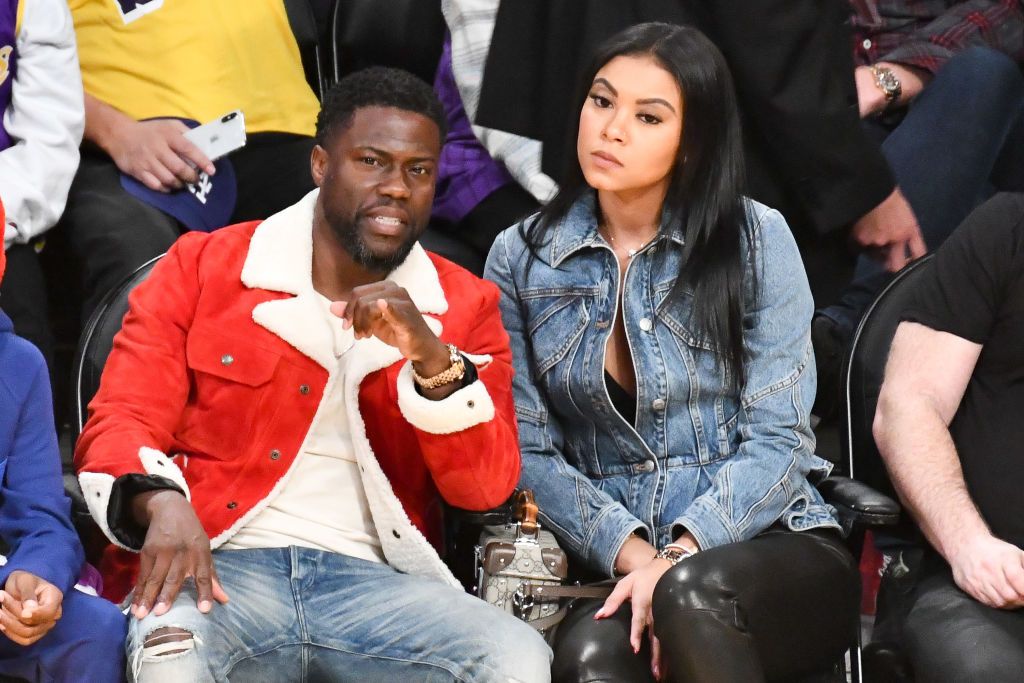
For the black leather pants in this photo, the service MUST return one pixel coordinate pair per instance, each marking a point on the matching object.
(781, 607)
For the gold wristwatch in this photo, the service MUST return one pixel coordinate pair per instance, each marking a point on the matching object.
(888, 83)
(455, 372)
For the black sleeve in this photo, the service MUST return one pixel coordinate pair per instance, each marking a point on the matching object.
(962, 292)
(792, 63)
(119, 512)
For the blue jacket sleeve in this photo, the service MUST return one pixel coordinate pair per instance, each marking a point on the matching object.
(34, 511)
(586, 520)
(768, 474)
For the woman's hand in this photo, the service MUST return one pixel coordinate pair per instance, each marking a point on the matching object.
(638, 588)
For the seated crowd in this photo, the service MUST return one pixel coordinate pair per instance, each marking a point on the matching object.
(405, 300)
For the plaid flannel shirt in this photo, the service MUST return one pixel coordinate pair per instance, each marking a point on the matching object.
(926, 33)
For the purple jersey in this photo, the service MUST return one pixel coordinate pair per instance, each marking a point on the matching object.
(8, 60)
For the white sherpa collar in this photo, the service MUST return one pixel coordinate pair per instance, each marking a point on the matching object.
(280, 259)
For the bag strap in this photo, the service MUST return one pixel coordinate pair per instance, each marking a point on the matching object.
(527, 594)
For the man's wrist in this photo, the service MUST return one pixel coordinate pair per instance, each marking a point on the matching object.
(433, 361)
(146, 504)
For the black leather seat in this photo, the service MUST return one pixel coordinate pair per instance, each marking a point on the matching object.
(861, 381)
(407, 34)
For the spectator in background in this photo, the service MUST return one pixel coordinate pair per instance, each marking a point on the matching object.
(806, 152)
(41, 101)
(949, 428)
(938, 86)
(476, 196)
(48, 630)
(145, 61)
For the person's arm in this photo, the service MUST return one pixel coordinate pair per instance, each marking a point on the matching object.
(925, 379)
(998, 24)
(44, 120)
(588, 521)
(755, 486)
(154, 152)
(465, 428)
(34, 512)
(136, 493)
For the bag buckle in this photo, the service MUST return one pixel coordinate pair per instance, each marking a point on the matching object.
(522, 603)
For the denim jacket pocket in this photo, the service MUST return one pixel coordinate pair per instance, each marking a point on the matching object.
(557, 320)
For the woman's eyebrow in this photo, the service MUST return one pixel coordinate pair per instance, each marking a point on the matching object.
(606, 84)
(657, 100)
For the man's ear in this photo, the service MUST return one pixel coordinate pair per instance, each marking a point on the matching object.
(318, 164)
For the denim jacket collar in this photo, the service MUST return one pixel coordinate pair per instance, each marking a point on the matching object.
(578, 230)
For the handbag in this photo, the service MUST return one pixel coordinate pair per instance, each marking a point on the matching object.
(521, 569)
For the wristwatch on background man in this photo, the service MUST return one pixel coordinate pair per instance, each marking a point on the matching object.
(888, 83)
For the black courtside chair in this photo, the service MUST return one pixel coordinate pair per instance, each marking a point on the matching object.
(407, 34)
(861, 381)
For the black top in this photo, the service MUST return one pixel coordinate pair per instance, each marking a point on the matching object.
(623, 401)
(975, 290)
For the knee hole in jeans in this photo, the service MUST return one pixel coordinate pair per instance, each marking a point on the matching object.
(167, 641)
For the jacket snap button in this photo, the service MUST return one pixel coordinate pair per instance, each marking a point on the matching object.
(227, 359)
(303, 389)
(232, 505)
(647, 466)
(646, 324)
(395, 532)
(658, 404)
(275, 454)
(470, 404)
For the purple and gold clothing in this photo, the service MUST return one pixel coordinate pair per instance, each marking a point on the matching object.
(10, 18)
(466, 173)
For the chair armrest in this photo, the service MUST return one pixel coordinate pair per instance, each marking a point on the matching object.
(858, 503)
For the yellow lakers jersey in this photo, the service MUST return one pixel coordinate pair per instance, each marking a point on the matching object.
(196, 59)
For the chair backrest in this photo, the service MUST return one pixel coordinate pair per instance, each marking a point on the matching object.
(863, 373)
(303, 23)
(98, 338)
(407, 34)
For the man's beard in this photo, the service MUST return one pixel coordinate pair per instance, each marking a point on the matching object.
(351, 240)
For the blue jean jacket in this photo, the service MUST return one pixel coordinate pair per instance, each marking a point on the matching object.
(723, 464)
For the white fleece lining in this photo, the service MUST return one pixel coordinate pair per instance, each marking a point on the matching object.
(464, 408)
(157, 463)
(96, 488)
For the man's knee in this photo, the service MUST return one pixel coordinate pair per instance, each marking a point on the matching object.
(983, 69)
(516, 654)
(166, 653)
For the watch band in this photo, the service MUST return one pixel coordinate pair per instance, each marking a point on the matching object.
(455, 371)
(674, 553)
(888, 82)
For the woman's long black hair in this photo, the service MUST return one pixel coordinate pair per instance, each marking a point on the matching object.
(706, 184)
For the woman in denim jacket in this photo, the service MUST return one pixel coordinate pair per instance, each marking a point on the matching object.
(660, 324)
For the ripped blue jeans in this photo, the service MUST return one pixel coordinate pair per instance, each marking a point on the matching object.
(297, 614)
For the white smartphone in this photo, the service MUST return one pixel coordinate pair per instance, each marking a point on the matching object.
(221, 136)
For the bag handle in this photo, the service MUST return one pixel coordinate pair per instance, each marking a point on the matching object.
(526, 512)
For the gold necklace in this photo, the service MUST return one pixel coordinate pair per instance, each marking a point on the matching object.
(630, 253)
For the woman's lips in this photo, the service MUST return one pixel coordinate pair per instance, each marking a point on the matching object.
(605, 160)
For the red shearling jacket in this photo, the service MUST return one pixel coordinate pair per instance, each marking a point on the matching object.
(218, 374)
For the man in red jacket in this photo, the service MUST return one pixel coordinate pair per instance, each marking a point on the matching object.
(284, 411)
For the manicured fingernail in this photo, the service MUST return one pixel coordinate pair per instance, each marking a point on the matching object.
(599, 613)
(205, 606)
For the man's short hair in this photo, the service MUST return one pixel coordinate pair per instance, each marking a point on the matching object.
(377, 86)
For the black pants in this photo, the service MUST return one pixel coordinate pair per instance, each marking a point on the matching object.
(783, 606)
(23, 298)
(111, 233)
(950, 636)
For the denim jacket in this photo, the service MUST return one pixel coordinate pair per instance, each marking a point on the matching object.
(724, 465)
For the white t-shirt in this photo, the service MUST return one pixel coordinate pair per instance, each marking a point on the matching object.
(323, 504)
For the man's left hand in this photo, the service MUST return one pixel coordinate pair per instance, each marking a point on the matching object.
(31, 607)
(384, 310)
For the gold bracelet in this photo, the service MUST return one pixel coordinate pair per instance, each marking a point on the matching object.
(456, 371)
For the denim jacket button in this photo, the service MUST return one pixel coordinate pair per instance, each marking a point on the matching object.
(646, 324)
(658, 404)
(647, 466)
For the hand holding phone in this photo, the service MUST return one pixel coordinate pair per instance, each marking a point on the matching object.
(221, 136)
